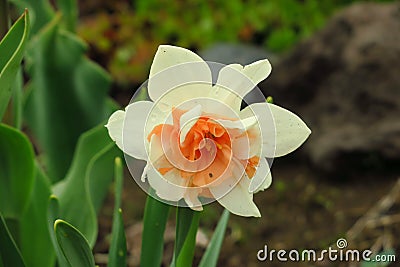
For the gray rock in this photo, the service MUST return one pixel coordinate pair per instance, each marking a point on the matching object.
(227, 53)
(345, 83)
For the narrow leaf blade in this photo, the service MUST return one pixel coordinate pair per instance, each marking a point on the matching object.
(154, 222)
(33, 225)
(52, 216)
(118, 250)
(12, 48)
(69, 8)
(73, 245)
(9, 253)
(16, 171)
(210, 257)
(187, 223)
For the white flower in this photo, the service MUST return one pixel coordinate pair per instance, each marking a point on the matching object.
(196, 140)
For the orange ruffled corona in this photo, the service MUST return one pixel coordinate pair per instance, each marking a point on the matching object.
(205, 127)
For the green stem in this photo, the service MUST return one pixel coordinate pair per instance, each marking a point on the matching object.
(154, 222)
(187, 223)
(4, 21)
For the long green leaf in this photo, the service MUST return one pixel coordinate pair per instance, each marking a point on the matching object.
(69, 9)
(68, 92)
(41, 12)
(9, 253)
(52, 216)
(12, 48)
(117, 254)
(118, 250)
(210, 257)
(16, 171)
(33, 225)
(17, 100)
(99, 172)
(187, 223)
(73, 245)
(83, 190)
(154, 222)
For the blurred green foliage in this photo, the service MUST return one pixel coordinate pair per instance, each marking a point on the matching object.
(127, 37)
(74, 105)
(64, 95)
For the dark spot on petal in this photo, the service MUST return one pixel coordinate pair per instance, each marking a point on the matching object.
(210, 174)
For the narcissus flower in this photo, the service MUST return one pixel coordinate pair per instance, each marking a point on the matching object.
(198, 142)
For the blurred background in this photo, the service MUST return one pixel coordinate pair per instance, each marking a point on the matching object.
(335, 63)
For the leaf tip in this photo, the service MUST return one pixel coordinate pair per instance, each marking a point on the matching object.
(118, 161)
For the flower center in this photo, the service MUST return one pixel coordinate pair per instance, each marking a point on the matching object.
(204, 128)
(206, 145)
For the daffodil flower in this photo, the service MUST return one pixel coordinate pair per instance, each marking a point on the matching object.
(197, 141)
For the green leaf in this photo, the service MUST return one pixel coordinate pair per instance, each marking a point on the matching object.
(83, 190)
(41, 12)
(16, 171)
(17, 99)
(99, 173)
(210, 257)
(52, 216)
(154, 222)
(118, 250)
(119, 182)
(9, 253)
(73, 245)
(68, 92)
(12, 48)
(187, 223)
(69, 9)
(33, 225)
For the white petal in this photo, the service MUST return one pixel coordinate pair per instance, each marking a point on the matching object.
(114, 126)
(261, 177)
(241, 80)
(257, 71)
(243, 124)
(282, 131)
(155, 150)
(169, 186)
(239, 200)
(249, 144)
(133, 132)
(241, 147)
(192, 200)
(267, 183)
(291, 131)
(187, 121)
(144, 173)
(178, 67)
(264, 130)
